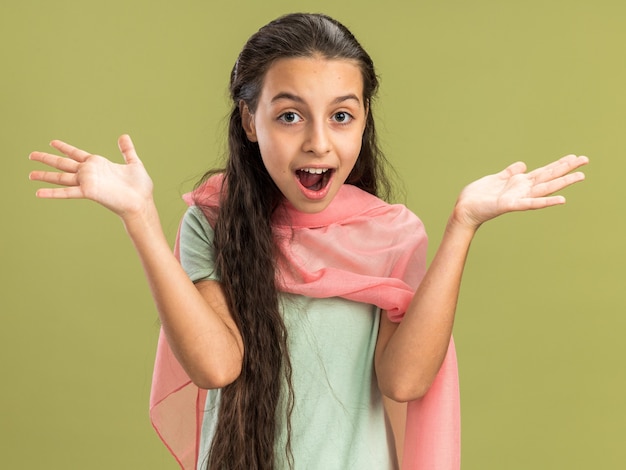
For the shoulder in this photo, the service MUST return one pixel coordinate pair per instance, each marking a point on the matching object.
(195, 227)
(204, 201)
(208, 193)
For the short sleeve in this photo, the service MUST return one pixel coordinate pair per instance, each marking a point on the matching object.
(197, 254)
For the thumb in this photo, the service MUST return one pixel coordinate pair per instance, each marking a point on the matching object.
(513, 169)
(128, 149)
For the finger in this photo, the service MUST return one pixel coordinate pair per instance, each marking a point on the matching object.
(552, 186)
(63, 179)
(513, 169)
(558, 168)
(60, 163)
(539, 203)
(72, 192)
(73, 152)
(128, 149)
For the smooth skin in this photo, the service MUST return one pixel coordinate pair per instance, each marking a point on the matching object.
(197, 323)
(310, 114)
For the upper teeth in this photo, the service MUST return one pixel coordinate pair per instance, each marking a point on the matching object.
(317, 171)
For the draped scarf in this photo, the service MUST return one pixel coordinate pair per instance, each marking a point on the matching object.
(359, 248)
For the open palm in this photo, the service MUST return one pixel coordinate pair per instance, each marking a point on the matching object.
(514, 190)
(122, 188)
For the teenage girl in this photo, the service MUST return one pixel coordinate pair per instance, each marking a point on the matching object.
(290, 277)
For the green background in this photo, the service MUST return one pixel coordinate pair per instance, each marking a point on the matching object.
(467, 88)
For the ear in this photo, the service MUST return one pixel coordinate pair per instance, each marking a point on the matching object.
(247, 121)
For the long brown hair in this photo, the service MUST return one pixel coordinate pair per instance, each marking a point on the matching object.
(244, 243)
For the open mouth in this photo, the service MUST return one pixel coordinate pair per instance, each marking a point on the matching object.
(314, 179)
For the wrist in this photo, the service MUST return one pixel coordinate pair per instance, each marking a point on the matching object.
(461, 221)
(141, 220)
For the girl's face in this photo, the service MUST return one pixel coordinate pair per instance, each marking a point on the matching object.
(309, 125)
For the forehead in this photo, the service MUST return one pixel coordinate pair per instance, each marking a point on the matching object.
(313, 78)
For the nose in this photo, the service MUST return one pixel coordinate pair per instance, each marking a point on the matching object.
(317, 140)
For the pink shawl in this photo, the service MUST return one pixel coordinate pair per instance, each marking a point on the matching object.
(359, 248)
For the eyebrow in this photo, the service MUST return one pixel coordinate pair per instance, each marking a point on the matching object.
(297, 99)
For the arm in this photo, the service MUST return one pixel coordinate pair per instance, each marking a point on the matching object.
(196, 321)
(409, 354)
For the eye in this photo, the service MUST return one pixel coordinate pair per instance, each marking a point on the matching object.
(342, 117)
(289, 117)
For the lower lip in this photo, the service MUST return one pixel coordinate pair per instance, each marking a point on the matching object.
(315, 195)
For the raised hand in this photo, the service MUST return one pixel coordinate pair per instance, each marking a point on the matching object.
(515, 190)
(125, 189)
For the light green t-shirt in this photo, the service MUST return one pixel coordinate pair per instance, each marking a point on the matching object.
(338, 421)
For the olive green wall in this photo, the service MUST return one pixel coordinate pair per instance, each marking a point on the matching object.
(467, 88)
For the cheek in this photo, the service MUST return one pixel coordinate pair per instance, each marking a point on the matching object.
(265, 147)
(276, 150)
(351, 148)
(274, 158)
